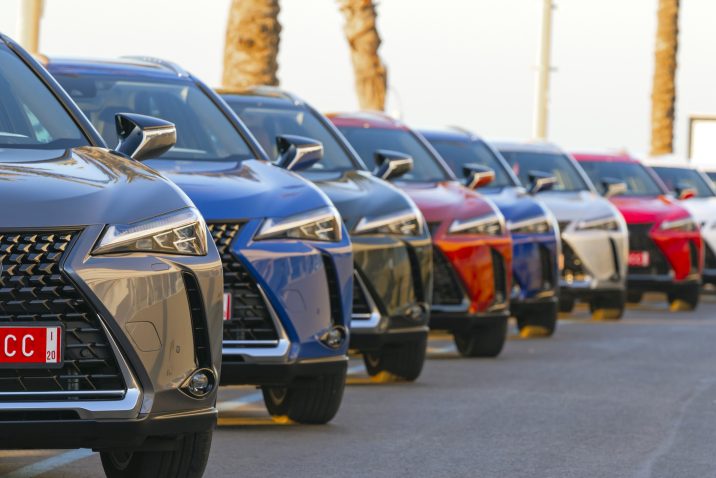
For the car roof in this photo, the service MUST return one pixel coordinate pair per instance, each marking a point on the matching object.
(146, 67)
(267, 93)
(605, 157)
(527, 147)
(450, 134)
(366, 119)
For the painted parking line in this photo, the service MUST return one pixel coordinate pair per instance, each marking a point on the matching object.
(51, 463)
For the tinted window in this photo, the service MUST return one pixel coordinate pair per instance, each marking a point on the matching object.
(30, 115)
(637, 178)
(459, 153)
(558, 165)
(682, 178)
(266, 123)
(203, 132)
(712, 176)
(368, 140)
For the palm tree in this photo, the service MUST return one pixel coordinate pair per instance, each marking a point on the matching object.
(371, 76)
(663, 95)
(252, 40)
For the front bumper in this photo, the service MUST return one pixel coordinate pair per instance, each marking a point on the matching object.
(280, 374)
(391, 289)
(41, 431)
(285, 296)
(594, 262)
(157, 319)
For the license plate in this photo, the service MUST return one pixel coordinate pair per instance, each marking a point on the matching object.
(30, 345)
(639, 259)
(227, 306)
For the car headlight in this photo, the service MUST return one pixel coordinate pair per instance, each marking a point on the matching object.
(538, 225)
(404, 223)
(607, 223)
(179, 232)
(490, 224)
(318, 225)
(685, 224)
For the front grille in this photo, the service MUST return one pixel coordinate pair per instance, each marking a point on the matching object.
(447, 288)
(573, 266)
(710, 257)
(639, 240)
(547, 265)
(361, 308)
(34, 288)
(499, 276)
(250, 316)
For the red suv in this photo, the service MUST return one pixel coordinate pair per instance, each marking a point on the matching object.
(472, 253)
(665, 246)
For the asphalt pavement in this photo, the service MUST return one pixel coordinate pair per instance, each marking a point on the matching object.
(633, 398)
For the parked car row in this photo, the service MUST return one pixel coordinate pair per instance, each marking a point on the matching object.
(164, 239)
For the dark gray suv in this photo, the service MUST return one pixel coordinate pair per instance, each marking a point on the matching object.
(110, 292)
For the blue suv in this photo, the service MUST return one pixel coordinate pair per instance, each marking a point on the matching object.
(287, 260)
(535, 233)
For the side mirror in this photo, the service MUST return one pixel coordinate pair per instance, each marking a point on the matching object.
(391, 164)
(540, 181)
(613, 187)
(144, 137)
(684, 191)
(296, 153)
(477, 175)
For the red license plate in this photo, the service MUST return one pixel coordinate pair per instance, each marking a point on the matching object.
(227, 306)
(639, 259)
(30, 345)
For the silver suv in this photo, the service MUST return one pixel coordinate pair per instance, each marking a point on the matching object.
(110, 291)
(595, 243)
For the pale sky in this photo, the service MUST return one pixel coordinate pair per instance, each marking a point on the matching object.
(451, 62)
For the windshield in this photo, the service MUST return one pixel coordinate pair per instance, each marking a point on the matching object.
(203, 131)
(557, 165)
(683, 178)
(267, 123)
(369, 140)
(637, 178)
(458, 153)
(31, 116)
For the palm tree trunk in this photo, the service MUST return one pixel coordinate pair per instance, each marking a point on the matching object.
(371, 77)
(663, 96)
(252, 41)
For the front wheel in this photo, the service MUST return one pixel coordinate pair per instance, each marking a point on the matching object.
(485, 340)
(398, 362)
(313, 402)
(188, 460)
(684, 298)
(608, 306)
(538, 320)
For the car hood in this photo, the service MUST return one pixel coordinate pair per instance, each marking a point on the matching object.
(447, 200)
(654, 209)
(81, 186)
(358, 194)
(515, 204)
(580, 205)
(248, 189)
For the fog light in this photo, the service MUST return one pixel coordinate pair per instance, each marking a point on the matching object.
(335, 337)
(200, 384)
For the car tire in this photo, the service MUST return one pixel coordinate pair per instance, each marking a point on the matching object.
(188, 460)
(684, 298)
(312, 402)
(538, 320)
(634, 297)
(486, 340)
(566, 305)
(397, 362)
(608, 306)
